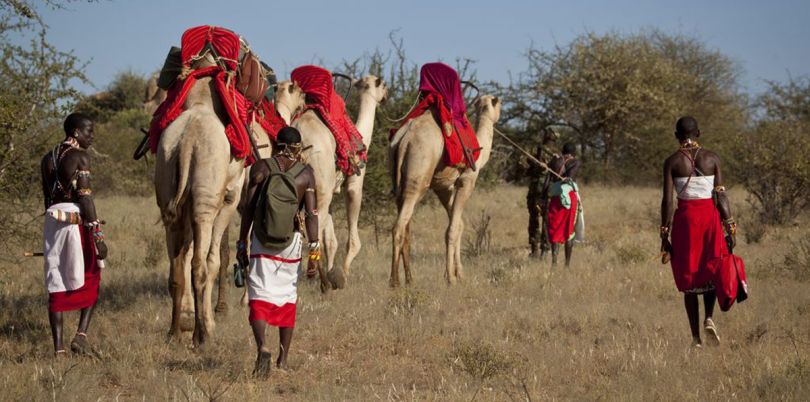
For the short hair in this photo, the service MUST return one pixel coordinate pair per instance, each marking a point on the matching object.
(686, 126)
(569, 148)
(74, 121)
(288, 135)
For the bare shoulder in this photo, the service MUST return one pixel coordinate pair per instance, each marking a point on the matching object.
(671, 159)
(258, 172)
(79, 157)
(308, 172)
(711, 155)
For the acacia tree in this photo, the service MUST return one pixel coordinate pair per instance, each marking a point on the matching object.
(774, 166)
(619, 96)
(34, 98)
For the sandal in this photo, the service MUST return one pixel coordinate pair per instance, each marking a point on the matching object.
(711, 332)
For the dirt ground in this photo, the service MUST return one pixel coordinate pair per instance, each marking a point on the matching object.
(612, 327)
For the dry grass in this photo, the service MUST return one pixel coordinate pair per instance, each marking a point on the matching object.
(611, 327)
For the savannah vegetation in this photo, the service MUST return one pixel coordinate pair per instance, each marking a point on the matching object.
(611, 327)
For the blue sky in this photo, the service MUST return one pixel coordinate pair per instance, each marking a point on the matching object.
(769, 40)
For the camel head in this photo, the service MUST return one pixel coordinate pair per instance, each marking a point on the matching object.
(290, 96)
(489, 106)
(374, 86)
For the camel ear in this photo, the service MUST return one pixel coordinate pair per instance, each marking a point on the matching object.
(495, 101)
(379, 82)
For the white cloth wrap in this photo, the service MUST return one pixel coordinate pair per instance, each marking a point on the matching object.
(274, 274)
(64, 261)
(699, 188)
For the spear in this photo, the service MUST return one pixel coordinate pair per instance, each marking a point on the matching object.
(528, 154)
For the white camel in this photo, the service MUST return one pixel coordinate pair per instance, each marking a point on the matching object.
(416, 164)
(197, 187)
(372, 92)
(320, 154)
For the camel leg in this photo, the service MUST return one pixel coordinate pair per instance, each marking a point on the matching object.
(459, 266)
(400, 236)
(177, 246)
(330, 245)
(354, 199)
(446, 196)
(406, 254)
(203, 226)
(224, 261)
(455, 230)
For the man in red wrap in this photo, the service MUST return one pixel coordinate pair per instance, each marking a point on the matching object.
(696, 230)
(74, 247)
(564, 206)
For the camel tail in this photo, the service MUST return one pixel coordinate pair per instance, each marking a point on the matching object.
(181, 172)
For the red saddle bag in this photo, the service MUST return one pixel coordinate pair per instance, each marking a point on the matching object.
(730, 282)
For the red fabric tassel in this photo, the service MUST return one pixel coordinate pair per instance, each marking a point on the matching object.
(87, 295)
(270, 120)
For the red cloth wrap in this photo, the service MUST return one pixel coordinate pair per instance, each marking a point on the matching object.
(697, 243)
(562, 221)
(87, 295)
(270, 120)
(453, 151)
(225, 44)
(278, 316)
(234, 102)
(316, 83)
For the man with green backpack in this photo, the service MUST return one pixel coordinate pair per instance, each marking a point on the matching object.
(278, 188)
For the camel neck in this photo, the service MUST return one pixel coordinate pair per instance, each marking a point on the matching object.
(484, 133)
(365, 118)
(284, 112)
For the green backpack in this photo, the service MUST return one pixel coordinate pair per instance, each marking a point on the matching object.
(274, 218)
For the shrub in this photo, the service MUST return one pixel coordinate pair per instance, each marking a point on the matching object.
(775, 170)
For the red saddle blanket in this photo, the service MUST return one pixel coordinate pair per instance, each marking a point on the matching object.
(234, 102)
(316, 83)
(223, 41)
(226, 46)
(269, 118)
(440, 91)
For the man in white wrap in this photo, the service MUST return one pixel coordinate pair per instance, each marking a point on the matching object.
(74, 247)
(274, 270)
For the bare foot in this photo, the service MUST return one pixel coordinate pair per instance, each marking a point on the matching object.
(82, 347)
(263, 364)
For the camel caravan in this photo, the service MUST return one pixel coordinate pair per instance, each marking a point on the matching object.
(217, 113)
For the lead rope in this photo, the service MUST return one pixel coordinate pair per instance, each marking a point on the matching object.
(416, 102)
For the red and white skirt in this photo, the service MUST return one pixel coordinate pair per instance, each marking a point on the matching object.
(86, 295)
(272, 283)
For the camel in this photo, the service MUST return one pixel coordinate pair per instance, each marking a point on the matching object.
(372, 92)
(416, 164)
(321, 156)
(197, 190)
(289, 99)
(154, 95)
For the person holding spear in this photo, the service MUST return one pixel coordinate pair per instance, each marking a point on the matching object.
(74, 247)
